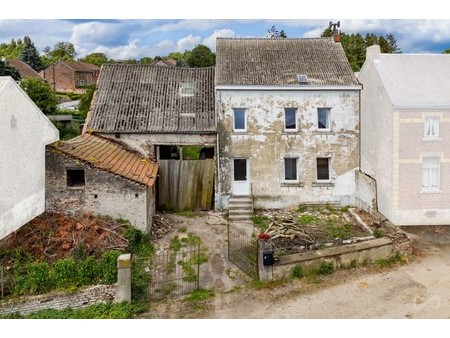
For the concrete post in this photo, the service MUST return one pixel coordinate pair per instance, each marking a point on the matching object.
(264, 272)
(123, 291)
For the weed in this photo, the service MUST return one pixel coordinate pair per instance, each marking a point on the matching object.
(261, 222)
(182, 229)
(200, 295)
(325, 268)
(307, 219)
(188, 214)
(353, 264)
(297, 271)
(175, 244)
(301, 208)
(377, 233)
(387, 262)
(123, 221)
(365, 262)
(339, 231)
(345, 208)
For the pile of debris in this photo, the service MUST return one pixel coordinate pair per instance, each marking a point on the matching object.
(53, 236)
(161, 226)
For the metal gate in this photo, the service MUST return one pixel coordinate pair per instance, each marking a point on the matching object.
(243, 251)
(170, 273)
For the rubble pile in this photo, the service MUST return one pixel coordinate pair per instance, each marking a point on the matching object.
(54, 236)
(161, 226)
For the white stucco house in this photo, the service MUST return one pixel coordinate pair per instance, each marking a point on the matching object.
(24, 133)
(287, 120)
(405, 134)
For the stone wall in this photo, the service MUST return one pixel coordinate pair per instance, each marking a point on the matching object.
(59, 301)
(365, 192)
(103, 193)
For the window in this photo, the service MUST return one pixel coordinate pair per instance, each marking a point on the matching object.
(239, 121)
(290, 119)
(323, 169)
(290, 169)
(430, 173)
(323, 118)
(187, 89)
(75, 178)
(431, 127)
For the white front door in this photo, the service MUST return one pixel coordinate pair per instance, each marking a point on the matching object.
(241, 179)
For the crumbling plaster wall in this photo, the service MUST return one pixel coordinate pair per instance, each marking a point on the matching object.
(266, 144)
(104, 193)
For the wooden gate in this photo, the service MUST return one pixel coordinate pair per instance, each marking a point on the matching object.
(186, 184)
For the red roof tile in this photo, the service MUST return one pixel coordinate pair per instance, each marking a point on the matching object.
(109, 155)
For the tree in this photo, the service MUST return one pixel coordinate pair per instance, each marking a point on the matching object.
(273, 33)
(85, 101)
(355, 45)
(201, 56)
(61, 51)
(7, 70)
(11, 50)
(30, 55)
(146, 60)
(40, 92)
(95, 58)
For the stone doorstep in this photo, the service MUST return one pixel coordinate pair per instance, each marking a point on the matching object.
(338, 250)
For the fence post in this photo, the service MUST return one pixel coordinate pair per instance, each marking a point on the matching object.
(265, 272)
(123, 291)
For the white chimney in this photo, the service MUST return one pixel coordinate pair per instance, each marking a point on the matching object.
(373, 52)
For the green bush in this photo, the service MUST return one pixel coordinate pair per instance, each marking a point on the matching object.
(138, 242)
(377, 233)
(339, 231)
(140, 279)
(89, 271)
(297, 271)
(37, 280)
(109, 266)
(325, 268)
(65, 273)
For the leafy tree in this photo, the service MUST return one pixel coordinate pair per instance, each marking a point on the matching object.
(85, 101)
(355, 46)
(7, 70)
(95, 58)
(146, 60)
(201, 56)
(11, 50)
(447, 51)
(40, 92)
(30, 55)
(273, 33)
(61, 51)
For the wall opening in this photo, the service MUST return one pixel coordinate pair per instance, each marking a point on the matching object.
(75, 178)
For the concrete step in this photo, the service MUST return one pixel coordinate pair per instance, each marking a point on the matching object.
(238, 218)
(247, 212)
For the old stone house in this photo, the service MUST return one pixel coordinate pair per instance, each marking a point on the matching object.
(405, 134)
(95, 174)
(159, 111)
(71, 76)
(24, 133)
(288, 122)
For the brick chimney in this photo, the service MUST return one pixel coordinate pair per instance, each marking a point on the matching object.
(336, 32)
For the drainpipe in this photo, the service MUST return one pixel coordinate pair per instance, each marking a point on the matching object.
(219, 190)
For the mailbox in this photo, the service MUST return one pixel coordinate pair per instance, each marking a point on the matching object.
(268, 258)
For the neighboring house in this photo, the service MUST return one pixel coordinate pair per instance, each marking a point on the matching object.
(24, 133)
(288, 122)
(71, 76)
(25, 70)
(164, 63)
(95, 174)
(405, 128)
(158, 111)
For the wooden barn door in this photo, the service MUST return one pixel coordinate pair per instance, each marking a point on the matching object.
(185, 184)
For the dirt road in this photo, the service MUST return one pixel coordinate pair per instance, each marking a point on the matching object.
(420, 289)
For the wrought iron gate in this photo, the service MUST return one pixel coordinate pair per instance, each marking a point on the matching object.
(243, 251)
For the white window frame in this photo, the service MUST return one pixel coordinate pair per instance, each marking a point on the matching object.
(431, 173)
(296, 169)
(328, 110)
(295, 118)
(234, 120)
(428, 127)
(329, 170)
(187, 89)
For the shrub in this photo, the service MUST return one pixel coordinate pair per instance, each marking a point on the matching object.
(89, 271)
(325, 268)
(297, 271)
(138, 242)
(37, 280)
(377, 233)
(65, 273)
(109, 266)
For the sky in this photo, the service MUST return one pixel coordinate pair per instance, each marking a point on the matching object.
(133, 30)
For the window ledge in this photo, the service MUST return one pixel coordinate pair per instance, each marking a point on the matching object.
(431, 139)
(322, 184)
(431, 191)
(292, 184)
(237, 132)
(76, 188)
(324, 132)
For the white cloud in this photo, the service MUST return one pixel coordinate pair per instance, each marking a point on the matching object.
(210, 41)
(94, 32)
(188, 42)
(202, 25)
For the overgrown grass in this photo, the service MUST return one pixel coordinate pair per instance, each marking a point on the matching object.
(191, 152)
(100, 311)
(200, 295)
(261, 222)
(339, 231)
(392, 260)
(297, 271)
(308, 219)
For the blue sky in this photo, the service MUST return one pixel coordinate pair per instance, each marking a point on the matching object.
(154, 31)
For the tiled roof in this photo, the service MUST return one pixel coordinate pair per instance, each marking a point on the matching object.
(145, 99)
(111, 156)
(91, 66)
(252, 61)
(24, 69)
(76, 66)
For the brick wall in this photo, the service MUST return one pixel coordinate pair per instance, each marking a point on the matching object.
(59, 301)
